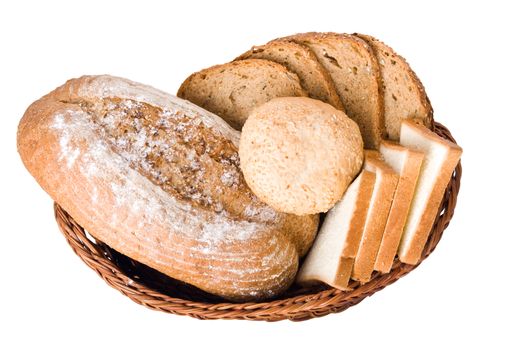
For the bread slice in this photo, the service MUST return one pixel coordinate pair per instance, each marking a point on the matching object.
(441, 158)
(384, 188)
(233, 89)
(355, 72)
(330, 259)
(300, 60)
(404, 95)
(407, 164)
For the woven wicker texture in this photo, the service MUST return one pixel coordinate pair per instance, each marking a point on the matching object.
(154, 290)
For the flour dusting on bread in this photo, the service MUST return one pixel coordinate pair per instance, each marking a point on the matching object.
(76, 127)
(131, 192)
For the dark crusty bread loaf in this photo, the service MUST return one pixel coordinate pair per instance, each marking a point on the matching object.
(300, 60)
(355, 72)
(404, 95)
(158, 179)
(233, 89)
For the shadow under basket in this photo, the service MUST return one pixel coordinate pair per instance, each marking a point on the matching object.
(157, 291)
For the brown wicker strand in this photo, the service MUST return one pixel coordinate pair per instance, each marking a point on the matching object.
(159, 292)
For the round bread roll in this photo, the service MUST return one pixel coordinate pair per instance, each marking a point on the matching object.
(299, 154)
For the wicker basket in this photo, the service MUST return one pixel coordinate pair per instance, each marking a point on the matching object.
(154, 290)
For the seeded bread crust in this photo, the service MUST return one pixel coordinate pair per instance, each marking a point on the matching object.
(233, 89)
(300, 60)
(354, 69)
(404, 94)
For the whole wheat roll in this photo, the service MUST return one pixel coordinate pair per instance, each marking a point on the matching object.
(299, 154)
(157, 179)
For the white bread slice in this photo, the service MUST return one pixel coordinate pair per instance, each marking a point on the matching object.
(384, 188)
(407, 164)
(330, 259)
(441, 158)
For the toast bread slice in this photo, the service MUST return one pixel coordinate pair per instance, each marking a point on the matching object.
(407, 164)
(441, 158)
(380, 203)
(331, 257)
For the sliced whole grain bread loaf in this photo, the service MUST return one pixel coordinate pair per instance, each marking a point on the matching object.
(233, 89)
(404, 95)
(355, 72)
(300, 60)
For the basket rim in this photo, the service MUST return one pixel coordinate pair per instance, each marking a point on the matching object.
(299, 307)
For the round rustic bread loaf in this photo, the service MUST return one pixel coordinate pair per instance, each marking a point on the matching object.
(299, 154)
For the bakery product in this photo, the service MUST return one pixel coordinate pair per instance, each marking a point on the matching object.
(441, 158)
(384, 188)
(407, 164)
(233, 89)
(158, 179)
(355, 72)
(331, 257)
(300, 60)
(299, 155)
(404, 95)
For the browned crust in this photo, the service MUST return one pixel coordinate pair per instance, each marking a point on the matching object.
(329, 95)
(164, 248)
(417, 244)
(344, 271)
(400, 206)
(376, 220)
(422, 96)
(357, 222)
(372, 139)
(252, 62)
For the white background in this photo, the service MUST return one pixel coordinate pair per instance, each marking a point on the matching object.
(469, 293)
